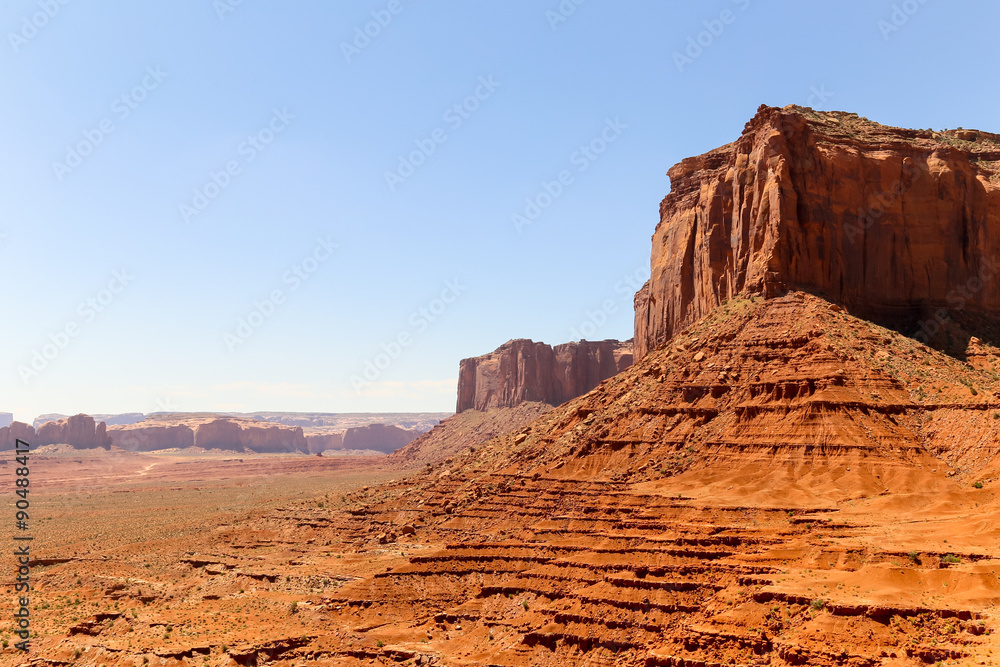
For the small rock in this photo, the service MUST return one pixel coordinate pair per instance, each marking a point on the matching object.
(699, 356)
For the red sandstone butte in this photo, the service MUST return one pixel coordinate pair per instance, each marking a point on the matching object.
(80, 431)
(522, 370)
(9, 435)
(891, 223)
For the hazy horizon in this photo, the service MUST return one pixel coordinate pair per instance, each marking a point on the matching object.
(221, 206)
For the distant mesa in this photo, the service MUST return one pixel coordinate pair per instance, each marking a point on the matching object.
(378, 437)
(261, 432)
(218, 432)
(51, 417)
(121, 419)
(6, 419)
(208, 431)
(109, 419)
(79, 431)
(16, 430)
(521, 371)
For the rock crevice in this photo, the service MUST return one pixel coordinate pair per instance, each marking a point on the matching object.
(898, 226)
(522, 371)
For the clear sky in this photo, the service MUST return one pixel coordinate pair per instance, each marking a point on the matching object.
(170, 169)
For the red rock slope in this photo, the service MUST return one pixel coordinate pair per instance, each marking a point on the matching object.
(784, 484)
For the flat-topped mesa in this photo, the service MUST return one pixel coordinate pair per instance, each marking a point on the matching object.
(378, 437)
(522, 370)
(208, 431)
(901, 227)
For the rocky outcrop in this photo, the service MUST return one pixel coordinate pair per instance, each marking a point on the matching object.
(522, 370)
(378, 437)
(217, 434)
(17, 430)
(272, 438)
(80, 431)
(898, 226)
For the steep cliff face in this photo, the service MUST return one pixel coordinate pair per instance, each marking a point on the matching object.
(272, 438)
(17, 430)
(80, 431)
(901, 227)
(217, 434)
(522, 370)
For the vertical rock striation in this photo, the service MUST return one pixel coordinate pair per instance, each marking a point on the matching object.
(80, 431)
(522, 370)
(901, 227)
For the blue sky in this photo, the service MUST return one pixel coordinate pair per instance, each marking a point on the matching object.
(170, 169)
